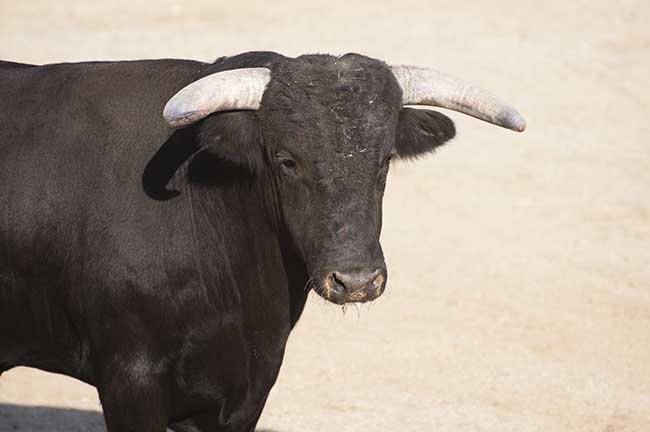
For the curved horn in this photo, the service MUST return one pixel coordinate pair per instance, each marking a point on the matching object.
(236, 89)
(424, 86)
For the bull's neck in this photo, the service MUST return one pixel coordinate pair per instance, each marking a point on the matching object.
(266, 189)
(236, 213)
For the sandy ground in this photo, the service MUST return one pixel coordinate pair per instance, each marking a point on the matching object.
(519, 292)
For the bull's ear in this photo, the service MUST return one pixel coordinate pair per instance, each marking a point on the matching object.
(234, 136)
(219, 148)
(420, 131)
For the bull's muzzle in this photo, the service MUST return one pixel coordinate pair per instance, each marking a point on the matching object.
(354, 286)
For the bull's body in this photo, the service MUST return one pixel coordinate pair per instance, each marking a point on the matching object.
(167, 268)
(102, 282)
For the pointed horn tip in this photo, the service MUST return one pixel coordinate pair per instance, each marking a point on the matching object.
(519, 123)
(512, 120)
(519, 126)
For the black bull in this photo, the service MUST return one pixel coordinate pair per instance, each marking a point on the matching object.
(167, 268)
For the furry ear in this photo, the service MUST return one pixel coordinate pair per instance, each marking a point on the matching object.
(234, 136)
(420, 131)
(229, 139)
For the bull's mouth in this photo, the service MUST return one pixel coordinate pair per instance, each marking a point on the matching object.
(357, 286)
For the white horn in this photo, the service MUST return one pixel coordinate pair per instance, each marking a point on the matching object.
(236, 89)
(424, 86)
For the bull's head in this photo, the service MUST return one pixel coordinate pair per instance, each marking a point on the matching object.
(328, 128)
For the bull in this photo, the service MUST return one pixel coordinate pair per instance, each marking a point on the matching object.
(164, 259)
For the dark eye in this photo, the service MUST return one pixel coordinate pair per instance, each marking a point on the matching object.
(286, 164)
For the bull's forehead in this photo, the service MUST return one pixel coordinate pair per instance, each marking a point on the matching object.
(331, 108)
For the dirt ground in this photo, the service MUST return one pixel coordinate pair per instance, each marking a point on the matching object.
(519, 290)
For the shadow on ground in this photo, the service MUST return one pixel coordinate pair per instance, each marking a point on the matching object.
(20, 418)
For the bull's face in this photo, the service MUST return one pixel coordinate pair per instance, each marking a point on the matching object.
(329, 127)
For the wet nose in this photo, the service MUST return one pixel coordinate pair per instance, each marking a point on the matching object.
(356, 281)
(352, 286)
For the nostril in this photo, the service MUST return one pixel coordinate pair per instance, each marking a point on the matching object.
(356, 280)
(338, 279)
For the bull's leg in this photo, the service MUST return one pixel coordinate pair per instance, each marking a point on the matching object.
(210, 421)
(133, 400)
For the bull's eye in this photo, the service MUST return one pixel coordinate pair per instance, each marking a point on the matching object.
(286, 164)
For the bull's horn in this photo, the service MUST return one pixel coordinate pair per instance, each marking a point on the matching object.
(424, 86)
(236, 89)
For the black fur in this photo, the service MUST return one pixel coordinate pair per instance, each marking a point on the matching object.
(167, 268)
(234, 136)
(421, 131)
(10, 65)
